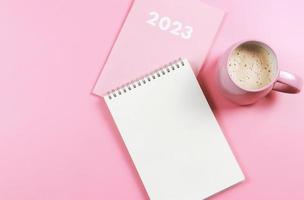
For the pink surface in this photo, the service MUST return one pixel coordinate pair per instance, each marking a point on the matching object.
(57, 141)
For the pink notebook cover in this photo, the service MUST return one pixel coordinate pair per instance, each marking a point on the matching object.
(155, 33)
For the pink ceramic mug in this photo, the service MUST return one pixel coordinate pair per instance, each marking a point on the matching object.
(282, 81)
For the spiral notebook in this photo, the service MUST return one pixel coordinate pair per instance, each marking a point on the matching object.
(172, 135)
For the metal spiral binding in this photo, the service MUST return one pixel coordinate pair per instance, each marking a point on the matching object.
(145, 79)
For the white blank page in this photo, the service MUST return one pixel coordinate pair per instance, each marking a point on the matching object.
(173, 137)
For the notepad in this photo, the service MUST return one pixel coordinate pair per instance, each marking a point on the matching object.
(156, 31)
(172, 135)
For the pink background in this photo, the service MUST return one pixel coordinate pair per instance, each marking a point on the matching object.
(57, 141)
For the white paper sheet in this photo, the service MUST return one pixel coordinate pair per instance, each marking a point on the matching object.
(173, 137)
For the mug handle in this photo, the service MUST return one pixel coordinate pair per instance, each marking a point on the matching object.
(288, 83)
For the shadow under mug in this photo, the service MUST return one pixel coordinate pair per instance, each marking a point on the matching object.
(282, 81)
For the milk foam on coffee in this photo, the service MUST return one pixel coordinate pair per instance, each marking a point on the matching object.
(251, 66)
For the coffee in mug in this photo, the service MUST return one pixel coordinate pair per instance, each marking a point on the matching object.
(249, 70)
(251, 66)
